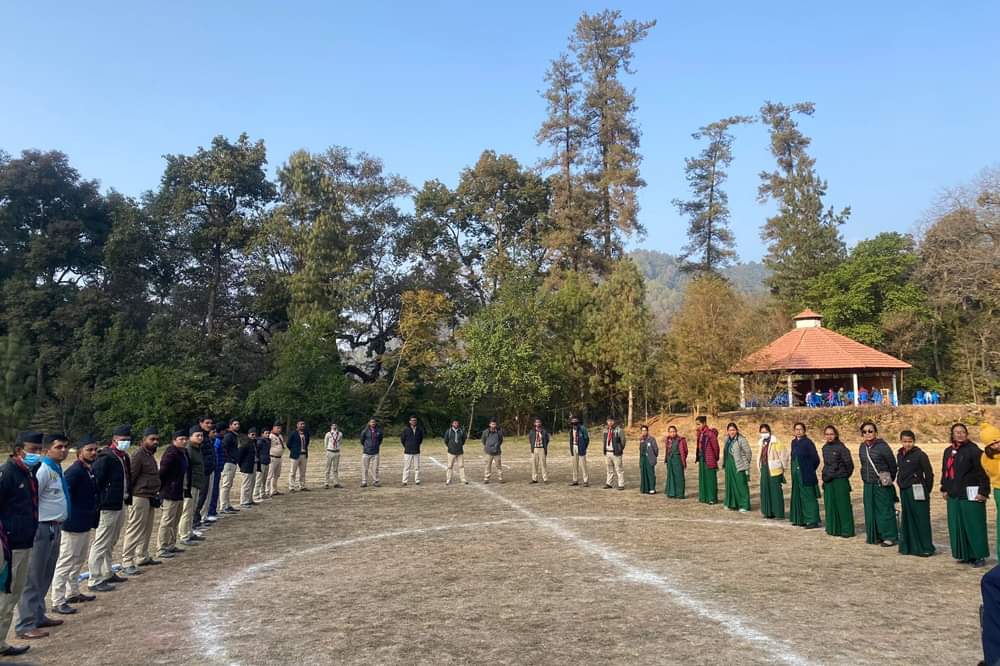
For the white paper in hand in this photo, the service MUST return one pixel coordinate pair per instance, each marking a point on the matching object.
(918, 492)
(971, 492)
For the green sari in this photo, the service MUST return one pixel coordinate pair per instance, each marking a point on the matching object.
(967, 529)
(708, 484)
(675, 473)
(772, 496)
(804, 507)
(915, 524)
(839, 511)
(737, 494)
(880, 513)
(647, 475)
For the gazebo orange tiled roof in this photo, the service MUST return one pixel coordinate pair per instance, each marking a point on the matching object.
(812, 350)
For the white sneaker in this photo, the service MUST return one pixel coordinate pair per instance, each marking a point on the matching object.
(211, 519)
(417, 482)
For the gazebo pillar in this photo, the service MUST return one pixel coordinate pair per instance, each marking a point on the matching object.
(854, 376)
(743, 392)
(791, 393)
(894, 396)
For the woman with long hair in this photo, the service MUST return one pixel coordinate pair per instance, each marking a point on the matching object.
(837, 470)
(736, 460)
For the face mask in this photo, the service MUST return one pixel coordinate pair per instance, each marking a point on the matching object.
(123, 445)
(32, 459)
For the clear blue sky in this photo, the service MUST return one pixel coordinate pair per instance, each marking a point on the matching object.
(906, 92)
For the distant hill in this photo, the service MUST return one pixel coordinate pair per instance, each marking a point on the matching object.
(665, 281)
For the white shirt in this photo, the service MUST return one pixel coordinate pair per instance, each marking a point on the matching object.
(333, 441)
(51, 498)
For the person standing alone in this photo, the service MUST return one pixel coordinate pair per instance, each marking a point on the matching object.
(614, 452)
(411, 438)
(579, 439)
(331, 443)
(371, 444)
(492, 444)
(298, 456)
(454, 441)
(649, 453)
(538, 439)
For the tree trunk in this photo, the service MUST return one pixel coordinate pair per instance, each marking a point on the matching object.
(631, 401)
(213, 287)
(472, 411)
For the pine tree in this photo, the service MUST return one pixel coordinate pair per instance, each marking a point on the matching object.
(803, 238)
(709, 236)
(603, 47)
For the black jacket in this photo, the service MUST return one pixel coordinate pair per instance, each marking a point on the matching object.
(454, 440)
(263, 451)
(914, 467)
(881, 456)
(532, 436)
(968, 471)
(246, 456)
(617, 441)
(174, 474)
(208, 453)
(18, 504)
(837, 462)
(83, 513)
(298, 444)
(230, 447)
(411, 439)
(371, 442)
(112, 484)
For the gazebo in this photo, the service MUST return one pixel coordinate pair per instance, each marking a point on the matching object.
(813, 358)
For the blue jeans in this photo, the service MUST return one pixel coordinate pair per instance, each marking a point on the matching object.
(216, 479)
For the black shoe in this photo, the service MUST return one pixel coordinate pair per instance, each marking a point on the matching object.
(337, 485)
(621, 487)
(305, 490)
(115, 578)
(64, 609)
(813, 526)
(12, 651)
(574, 484)
(80, 598)
(978, 564)
(48, 622)
(534, 481)
(102, 587)
(149, 563)
(608, 486)
(888, 544)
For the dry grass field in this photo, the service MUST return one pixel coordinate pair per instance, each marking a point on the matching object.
(526, 574)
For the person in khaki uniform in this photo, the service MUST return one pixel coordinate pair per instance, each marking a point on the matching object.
(492, 443)
(454, 441)
(246, 461)
(538, 439)
(614, 449)
(196, 484)
(331, 442)
(230, 456)
(145, 497)
(579, 440)
(175, 486)
(79, 526)
(371, 445)
(298, 456)
(113, 473)
(263, 445)
(274, 471)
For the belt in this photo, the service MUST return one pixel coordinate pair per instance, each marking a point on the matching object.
(51, 522)
(333, 450)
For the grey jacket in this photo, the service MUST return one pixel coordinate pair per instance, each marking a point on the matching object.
(492, 440)
(883, 458)
(648, 446)
(740, 451)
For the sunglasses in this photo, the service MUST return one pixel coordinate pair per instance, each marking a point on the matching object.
(867, 431)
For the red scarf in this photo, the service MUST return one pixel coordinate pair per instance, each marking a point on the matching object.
(949, 465)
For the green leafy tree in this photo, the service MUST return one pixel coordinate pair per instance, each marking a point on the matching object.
(803, 238)
(17, 390)
(709, 238)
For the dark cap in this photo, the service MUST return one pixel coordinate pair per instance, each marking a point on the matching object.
(194, 429)
(124, 430)
(180, 433)
(151, 430)
(85, 440)
(30, 437)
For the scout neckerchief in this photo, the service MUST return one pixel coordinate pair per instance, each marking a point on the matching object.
(949, 465)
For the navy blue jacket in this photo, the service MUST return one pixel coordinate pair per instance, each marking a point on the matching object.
(990, 586)
(230, 447)
(805, 452)
(208, 454)
(411, 439)
(83, 512)
(263, 451)
(371, 445)
(246, 457)
(298, 445)
(18, 504)
(582, 439)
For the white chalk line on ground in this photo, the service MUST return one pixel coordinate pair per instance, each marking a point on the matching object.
(735, 625)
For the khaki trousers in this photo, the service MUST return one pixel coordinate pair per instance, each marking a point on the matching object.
(411, 461)
(72, 558)
(273, 476)
(456, 459)
(138, 531)
(332, 468)
(18, 577)
(490, 459)
(298, 469)
(615, 468)
(170, 518)
(538, 465)
(187, 514)
(226, 486)
(108, 530)
(579, 466)
(246, 487)
(369, 467)
(258, 482)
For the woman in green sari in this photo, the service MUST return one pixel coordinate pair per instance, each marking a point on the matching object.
(838, 467)
(878, 471)
(772, 465)
(675, 460)
(804, 508)
(736, 460)
(649, 453)
(966, 486)
(915, 480)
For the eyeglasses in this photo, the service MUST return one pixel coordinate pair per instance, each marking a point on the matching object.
(867, 431)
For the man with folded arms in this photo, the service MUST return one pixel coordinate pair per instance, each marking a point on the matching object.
(196, 484)
(19, 518)
(538, 439)
(52, 512)
(78, 528)
(332, 442)
(174, 479)
(113, 473)
(145, 495)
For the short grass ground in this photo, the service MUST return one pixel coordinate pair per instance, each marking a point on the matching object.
(526, 574)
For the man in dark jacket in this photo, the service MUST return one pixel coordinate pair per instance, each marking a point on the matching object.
(263, 445)
(411, 438)
(53, 510)
(298, 456)
(145, 497)
(538, 440)
(614, 452)
(19, 518)
(492, 445)
(112, 471)
(206, 425)
(174, 478)
(77, 530)
(195, 485)
(454, 441)
(579, 439)
(246, 461)
(371, 444)
(230, 458)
